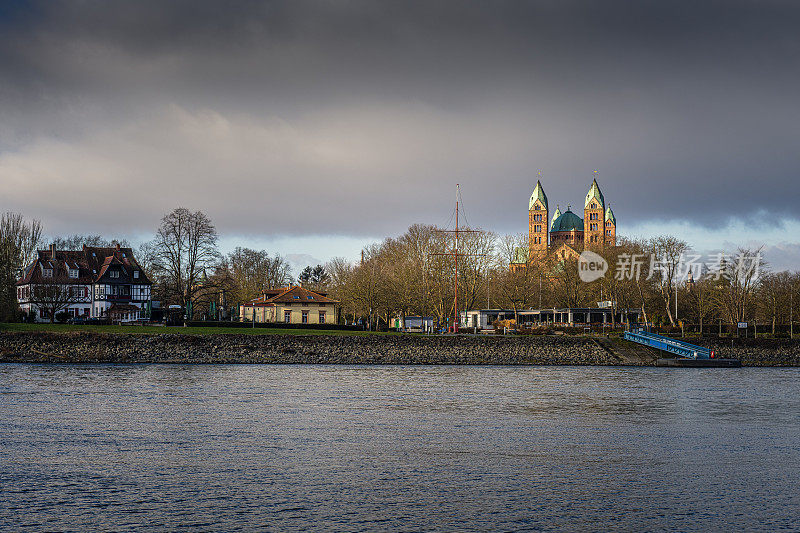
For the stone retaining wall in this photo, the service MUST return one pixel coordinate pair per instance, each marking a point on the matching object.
(76, 347)
(756, 352)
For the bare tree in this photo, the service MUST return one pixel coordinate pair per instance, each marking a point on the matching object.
(666, 256)
(78, 241)
(56, 295)
(738, 277)
(517, 274)
(252, 271)
(341, 272)
(18, 241)
(184, 246)
(702, 298)
(279, 273)
(775, 297)
(363, 285)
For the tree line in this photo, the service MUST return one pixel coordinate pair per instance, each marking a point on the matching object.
(182, 260)
(409, 275)
(414, 274)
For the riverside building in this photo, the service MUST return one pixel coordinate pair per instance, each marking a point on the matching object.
(291, 305)
(97, 282)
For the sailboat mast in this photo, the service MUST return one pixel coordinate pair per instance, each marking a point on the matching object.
(455, 299)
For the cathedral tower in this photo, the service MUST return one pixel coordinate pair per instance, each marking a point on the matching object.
(594, 218)
(537, 222)
(611, 227)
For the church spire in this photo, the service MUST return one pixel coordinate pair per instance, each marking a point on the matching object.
(538, 194)
(594, 193)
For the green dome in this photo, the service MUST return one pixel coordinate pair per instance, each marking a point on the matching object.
(569, 221)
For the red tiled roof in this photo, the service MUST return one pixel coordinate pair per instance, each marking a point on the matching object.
(91, 262)
(297, 293)
(289, 294)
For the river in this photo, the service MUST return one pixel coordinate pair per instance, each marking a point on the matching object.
(351, 448)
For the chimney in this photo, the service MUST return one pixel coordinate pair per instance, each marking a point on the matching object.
(53, 251)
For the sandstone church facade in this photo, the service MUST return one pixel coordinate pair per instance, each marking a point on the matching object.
(565, 235)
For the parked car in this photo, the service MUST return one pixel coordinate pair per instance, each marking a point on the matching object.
(98, 321)
(77, 320)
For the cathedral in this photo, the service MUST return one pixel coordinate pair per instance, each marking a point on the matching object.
(567, 233)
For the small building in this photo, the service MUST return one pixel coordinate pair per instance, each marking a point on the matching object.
(484, 318)
(413, 323)
(578, 316)
(291, 305)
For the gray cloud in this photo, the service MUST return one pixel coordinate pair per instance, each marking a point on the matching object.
(358, 118)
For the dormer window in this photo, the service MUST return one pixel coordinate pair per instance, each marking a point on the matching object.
(135, 274)
(296, 297)
(47, 272)
(73, 272)
(113, 274)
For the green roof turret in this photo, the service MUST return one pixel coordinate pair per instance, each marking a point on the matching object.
(556, 215)
(610, 215)
(594, 193)
(538, 194)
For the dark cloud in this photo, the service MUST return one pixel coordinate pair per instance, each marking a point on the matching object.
(359, 117)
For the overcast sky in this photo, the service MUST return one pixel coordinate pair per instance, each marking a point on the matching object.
(316, 127)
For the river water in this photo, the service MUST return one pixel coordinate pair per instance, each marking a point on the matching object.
(241, 447)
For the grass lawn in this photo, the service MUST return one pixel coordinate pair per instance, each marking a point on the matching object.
(156, 330)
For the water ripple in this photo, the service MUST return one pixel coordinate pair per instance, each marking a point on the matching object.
(338, 448)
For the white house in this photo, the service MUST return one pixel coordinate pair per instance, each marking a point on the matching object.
(94, 282)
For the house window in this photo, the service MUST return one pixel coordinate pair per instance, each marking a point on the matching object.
(47, 272)
(73, 272)
(322, 317)
(296, 297)
(305, 317)
(287, 316)
(114, 273)
(135, 274)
